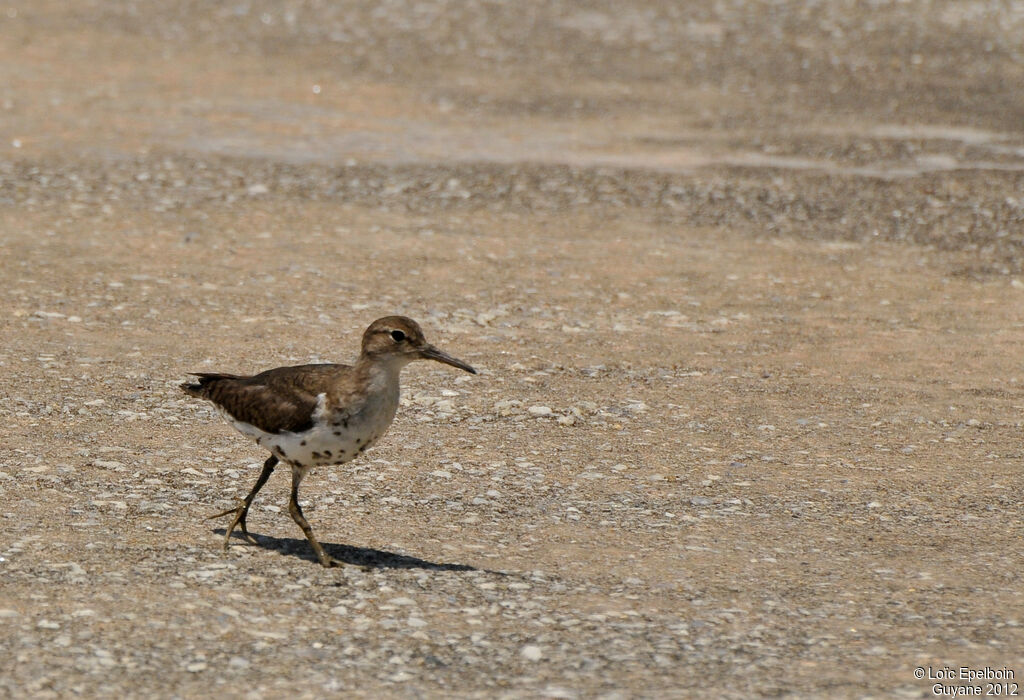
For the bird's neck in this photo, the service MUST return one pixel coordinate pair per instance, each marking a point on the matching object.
(381, 371)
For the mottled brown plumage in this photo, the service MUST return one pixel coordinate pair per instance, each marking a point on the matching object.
(274, 401)
(319, 414)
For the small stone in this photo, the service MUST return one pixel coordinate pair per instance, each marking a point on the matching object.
(196, 667)
(507, 407)
(108, 464)
(153, 507)
(531, 652)
(441, 474)
(339, 610)
(539, 411)
(47, 625)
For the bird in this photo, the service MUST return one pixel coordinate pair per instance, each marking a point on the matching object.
(318, 414)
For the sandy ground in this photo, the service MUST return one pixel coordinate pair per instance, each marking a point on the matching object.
(743, 280)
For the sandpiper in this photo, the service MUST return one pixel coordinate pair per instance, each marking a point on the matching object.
(309, 415)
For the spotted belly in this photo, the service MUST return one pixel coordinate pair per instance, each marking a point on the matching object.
(322, 444)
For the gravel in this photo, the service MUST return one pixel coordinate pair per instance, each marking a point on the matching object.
(740, 280)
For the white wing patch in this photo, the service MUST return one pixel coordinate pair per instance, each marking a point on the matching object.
(321, 408)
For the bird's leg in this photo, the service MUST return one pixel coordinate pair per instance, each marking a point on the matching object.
(242, 509)
(293, 508)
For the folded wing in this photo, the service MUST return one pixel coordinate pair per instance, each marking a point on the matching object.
(275, 401)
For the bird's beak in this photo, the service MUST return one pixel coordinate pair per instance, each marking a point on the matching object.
(431, 353)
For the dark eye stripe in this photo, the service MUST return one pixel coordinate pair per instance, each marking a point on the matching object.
(398, 336)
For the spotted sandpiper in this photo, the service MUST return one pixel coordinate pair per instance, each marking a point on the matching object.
(309, 415)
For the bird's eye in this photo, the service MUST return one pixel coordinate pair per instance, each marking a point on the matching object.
(398, 336)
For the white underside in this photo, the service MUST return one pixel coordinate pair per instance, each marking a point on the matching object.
(317, 446)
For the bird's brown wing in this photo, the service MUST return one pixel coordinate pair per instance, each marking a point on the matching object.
(275, 401)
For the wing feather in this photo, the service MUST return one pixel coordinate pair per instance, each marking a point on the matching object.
(275, 401)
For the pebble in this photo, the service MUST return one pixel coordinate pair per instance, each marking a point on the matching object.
(507, 407)
(153, 507)
(109, 464)
(539, 411)
(531, 652)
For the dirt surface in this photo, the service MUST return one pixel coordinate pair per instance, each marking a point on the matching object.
(744, 281)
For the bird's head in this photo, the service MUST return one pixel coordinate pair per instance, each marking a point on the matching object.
(402, 338)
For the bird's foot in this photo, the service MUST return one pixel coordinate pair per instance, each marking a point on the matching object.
(327, 561)
(239, 511)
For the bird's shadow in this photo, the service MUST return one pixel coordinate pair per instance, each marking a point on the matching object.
(357, 556)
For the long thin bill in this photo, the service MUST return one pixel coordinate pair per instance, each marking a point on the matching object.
(432, 353)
